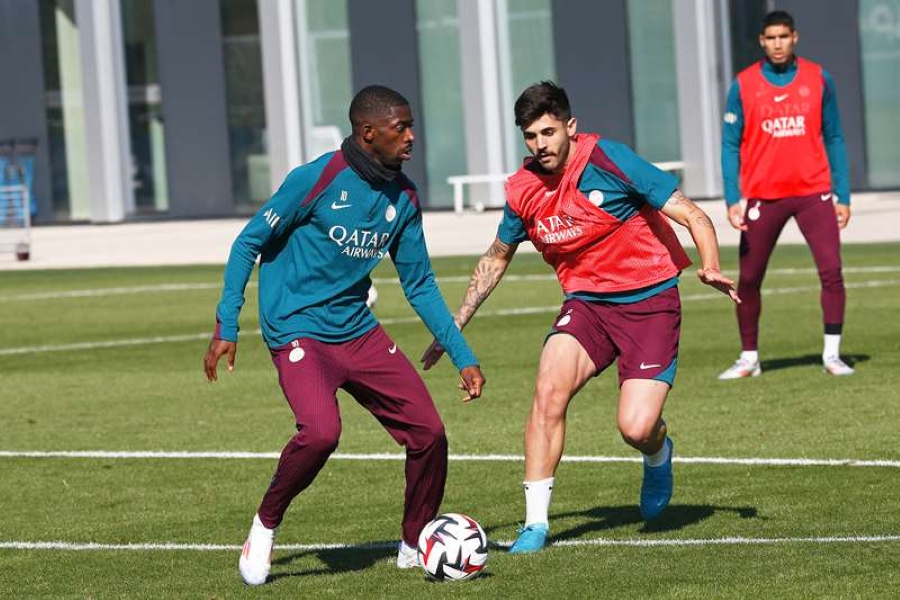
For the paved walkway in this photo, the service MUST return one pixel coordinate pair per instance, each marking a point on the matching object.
(875, 218)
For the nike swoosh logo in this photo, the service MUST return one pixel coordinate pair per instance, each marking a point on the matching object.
(780, 98)
(337, 206)
(550, 193)
(392, 349)
(643, 366)
(826, 197)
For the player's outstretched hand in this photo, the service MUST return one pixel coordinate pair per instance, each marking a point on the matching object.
(714, 278)
(736, 217)
(472, 381)
(843, 214)
(218, 348)
(433, 354)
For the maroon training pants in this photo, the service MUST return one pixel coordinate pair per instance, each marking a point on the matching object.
(817, 221)
(379, 376)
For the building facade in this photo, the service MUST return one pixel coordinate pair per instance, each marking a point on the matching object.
(183, 109)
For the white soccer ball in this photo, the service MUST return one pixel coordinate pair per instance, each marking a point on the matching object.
(453, 547)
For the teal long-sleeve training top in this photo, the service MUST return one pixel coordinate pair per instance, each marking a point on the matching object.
(318, 240)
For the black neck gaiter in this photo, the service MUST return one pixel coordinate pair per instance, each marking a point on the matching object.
(364, 166)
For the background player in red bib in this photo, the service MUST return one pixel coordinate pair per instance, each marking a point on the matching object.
(782, 135)
(592, 207)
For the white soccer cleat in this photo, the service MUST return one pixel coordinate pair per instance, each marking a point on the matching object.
(407, 556)
(835, 366)
(256, 557)
(740, 369)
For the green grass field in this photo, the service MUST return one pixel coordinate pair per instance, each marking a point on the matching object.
(110, 360)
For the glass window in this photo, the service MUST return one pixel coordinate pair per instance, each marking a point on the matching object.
(879, 22)
(745, 18)
(529, 30)
(654, 82)
(440, 74)
(325, 62)
(245, 103)
(144, 107)
(65, 112)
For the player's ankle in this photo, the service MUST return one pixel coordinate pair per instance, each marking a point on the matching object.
(537, 500)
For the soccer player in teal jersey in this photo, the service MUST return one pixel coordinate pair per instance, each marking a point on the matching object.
(318, 239)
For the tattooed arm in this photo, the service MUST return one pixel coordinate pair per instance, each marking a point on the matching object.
(487, 275)
(684, 212)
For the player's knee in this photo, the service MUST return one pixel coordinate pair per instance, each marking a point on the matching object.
(435, 432)
(321, 440)
(637, 433)
(749, 282)
(550, 400)
(832, 279)
(430, 435)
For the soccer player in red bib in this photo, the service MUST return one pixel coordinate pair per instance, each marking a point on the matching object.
(783, 150)
(594, 209)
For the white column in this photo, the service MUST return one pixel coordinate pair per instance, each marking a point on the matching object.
(512, 136)
(281, 85)
(723, 13)
(699, 95)
(482, 95)
(105, 109)
(71, 103)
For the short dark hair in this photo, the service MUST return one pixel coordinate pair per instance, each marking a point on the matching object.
(540, 99)
(777, 17)
(374, 101)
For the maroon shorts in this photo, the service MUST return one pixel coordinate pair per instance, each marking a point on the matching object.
(643, 335)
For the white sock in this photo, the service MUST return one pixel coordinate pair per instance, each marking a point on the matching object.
(832, 347)
(537, 500)
(750, 356)
(406, 548)
(259, 527)
(661, 456)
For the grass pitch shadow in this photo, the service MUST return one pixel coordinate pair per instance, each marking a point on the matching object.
(676, 516)
(342, 560)
(776, 364)
(337, 560)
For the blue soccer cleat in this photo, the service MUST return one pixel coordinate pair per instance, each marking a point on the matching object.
(531, 539)
(656, 490)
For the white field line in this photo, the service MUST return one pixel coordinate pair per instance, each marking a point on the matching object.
(114, 291)
(181, 287)
(394, 456)
(639, 543)
(529, 310)
(163, 339)
(875, 283)
(729, 541)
